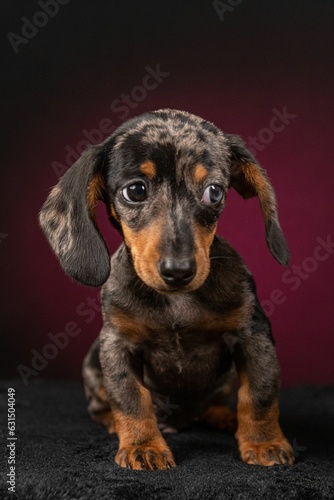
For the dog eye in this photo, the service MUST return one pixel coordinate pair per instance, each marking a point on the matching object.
(213, 194)
(135, 193)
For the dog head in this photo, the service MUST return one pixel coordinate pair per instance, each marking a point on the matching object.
(163, 177)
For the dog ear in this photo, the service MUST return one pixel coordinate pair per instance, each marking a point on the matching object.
(249, 179)
(68, 220)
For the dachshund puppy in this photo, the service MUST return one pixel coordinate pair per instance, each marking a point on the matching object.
(179, 305)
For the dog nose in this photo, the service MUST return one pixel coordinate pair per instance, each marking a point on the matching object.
(177, 273)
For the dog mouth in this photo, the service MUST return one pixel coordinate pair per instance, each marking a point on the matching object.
(173, 291)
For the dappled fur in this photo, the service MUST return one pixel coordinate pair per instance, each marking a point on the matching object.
(179, 306)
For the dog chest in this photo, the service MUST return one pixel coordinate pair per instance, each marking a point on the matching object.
(185, 359)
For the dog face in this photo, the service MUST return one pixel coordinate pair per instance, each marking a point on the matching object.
(163, 177)
(168, 184)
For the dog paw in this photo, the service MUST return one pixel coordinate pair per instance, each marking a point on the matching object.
(268, 453)
(151, 456)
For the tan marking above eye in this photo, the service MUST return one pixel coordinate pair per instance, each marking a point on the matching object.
(148, 169)
(200, 173)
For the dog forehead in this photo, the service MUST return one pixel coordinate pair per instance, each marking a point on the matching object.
(168, 126)
(172, 139)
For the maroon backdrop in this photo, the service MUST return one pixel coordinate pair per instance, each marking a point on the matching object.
(263, 71)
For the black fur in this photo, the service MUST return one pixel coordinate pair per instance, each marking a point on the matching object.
(175, 338)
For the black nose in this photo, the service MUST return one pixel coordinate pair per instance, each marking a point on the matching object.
(177, 272)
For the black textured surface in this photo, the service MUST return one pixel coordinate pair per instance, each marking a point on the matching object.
(61, 454)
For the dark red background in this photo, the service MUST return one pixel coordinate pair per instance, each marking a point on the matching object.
(263, 55)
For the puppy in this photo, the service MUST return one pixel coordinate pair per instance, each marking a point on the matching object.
(179, 305)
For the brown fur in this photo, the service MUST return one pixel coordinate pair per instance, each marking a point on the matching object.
(260, 438)
(148, 169)
(260, 184)
(221, 418)
(180, 311)
(94, 193)
(140, 442)
(200, 173)
(143, 245)
(132, 327)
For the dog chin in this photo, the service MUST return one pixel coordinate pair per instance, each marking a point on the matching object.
(169, 290)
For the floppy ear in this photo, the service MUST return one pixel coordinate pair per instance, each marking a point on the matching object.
(249, 179)
(68, 221)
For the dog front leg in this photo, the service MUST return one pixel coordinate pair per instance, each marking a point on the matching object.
(141, 445)
(259, 435)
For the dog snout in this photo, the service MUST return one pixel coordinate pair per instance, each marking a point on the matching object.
(177, 272)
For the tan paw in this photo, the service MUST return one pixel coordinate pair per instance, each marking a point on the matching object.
(151, 456)
(268, 453)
